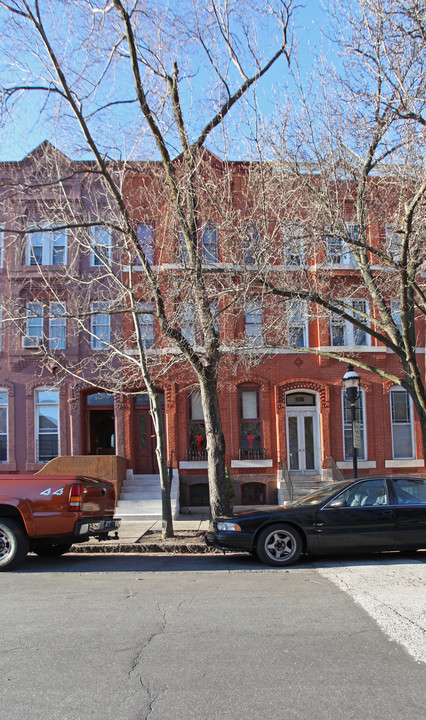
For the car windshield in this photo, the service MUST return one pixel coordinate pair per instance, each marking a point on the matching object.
(321, 495)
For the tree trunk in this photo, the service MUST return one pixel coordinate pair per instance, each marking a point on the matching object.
(166, 505)
(215, 440)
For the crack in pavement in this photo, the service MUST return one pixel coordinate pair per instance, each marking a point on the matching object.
(135, 676)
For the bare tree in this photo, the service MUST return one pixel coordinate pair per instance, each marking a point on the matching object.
(347, 192)
(106, 68)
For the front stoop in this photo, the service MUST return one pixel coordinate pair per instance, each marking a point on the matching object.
(302, 485)
(140, 497)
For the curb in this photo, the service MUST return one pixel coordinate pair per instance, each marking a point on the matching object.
(144, 548)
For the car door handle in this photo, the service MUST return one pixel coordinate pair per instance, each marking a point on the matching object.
(387, 512)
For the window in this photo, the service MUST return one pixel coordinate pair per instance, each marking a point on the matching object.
(402, 424)
(199, 495)
(396, 313)
(145, 235)
(337, 252)
(253, 323)
(343, 332)
(57, 326)
(100, 325)
(197, 430)
(366, 494)
(410, 491)
(182, 248)
(101, 246)
(188, 323)
(297, 326)
(347, 426)
(394, 241)
(4, 424)
(146, 323)
(47, 247)
(34, 325)
(251, 243)
(250, 424)
(253, 494)
(209, 245)
(47, 424)
(294, 254)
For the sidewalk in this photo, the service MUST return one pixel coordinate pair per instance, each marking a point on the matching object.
(144, 536)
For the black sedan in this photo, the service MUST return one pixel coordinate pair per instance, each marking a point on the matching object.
(370, 515)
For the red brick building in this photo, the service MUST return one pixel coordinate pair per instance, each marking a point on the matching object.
(276, 403)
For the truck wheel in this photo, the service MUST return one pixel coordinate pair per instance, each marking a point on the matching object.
(50, 549)
(14, 544)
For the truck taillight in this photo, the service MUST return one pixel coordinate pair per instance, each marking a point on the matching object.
(76, 497)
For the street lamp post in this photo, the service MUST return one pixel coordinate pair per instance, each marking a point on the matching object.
(351, 385)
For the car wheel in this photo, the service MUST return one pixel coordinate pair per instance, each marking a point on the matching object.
(279, 545)
(50, 549)
(14, 544)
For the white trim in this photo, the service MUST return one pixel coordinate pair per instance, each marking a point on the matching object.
(404, 463)
(363, 464)
(193, 465)
(251, 463)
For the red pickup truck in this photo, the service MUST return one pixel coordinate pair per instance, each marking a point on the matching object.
(46, 514)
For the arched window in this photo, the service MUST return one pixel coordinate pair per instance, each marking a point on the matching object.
(253, 494)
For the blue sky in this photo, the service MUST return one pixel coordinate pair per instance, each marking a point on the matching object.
(30, 125)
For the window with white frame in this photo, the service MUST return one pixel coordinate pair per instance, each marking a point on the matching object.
(347, 426)
(4, 424)
(47, 424)
(343, 332)
(396, 313)
(101, 245)
(293, 239)
(297, 323)
(101, 325)
(402, 424)
(57, 326)
(146, 323)
(209, 246)
(145, 235)
(337, 252)
(34, 325)
(197, 429)
(251, 242)
(47, 247)
(188, 322)
(394, 241)
(254, 323)
(250, 423)
(182, 248)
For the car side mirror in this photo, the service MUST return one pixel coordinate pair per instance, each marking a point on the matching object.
(337, 503)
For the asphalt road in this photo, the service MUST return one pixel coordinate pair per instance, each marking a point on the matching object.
(211, 638)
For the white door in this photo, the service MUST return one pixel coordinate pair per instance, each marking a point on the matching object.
(303, 440)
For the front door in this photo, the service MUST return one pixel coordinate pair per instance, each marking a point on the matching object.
(303, 440)
(145, 442)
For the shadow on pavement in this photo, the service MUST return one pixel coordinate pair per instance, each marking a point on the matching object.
(231, 562)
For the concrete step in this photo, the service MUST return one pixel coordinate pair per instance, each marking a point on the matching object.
(140, 497)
